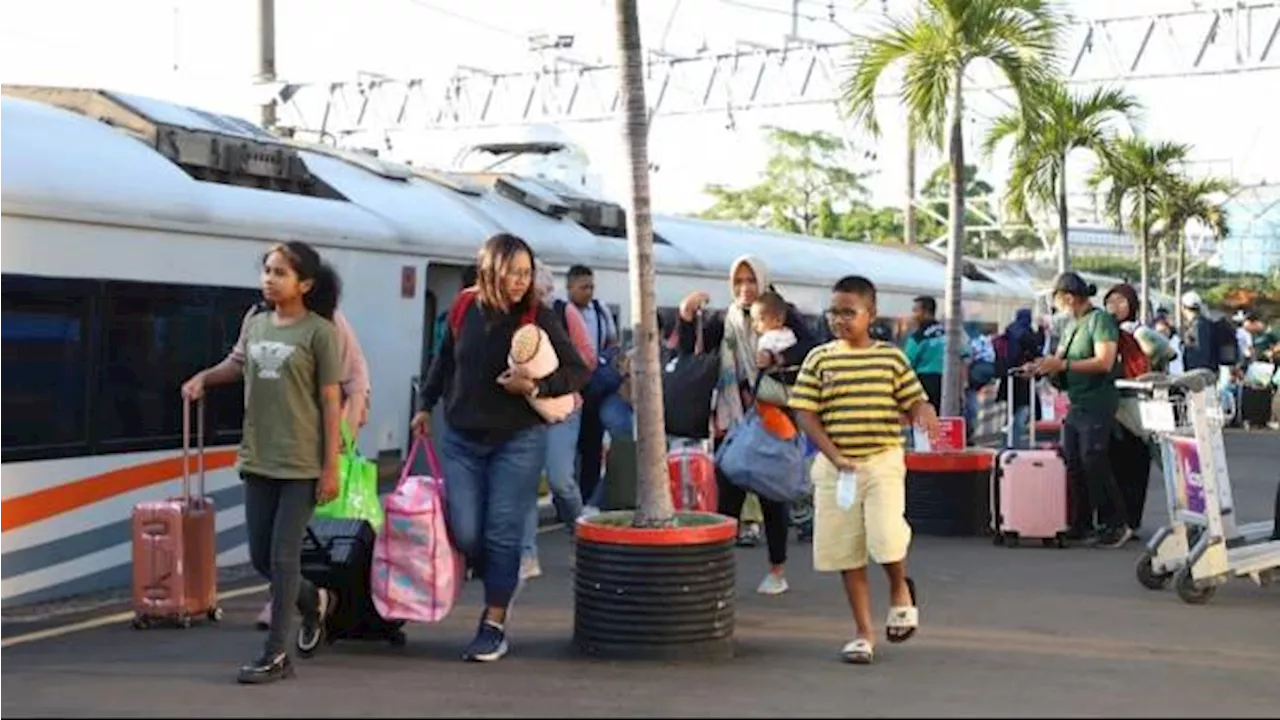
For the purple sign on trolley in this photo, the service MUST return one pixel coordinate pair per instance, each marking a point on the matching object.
(1187, 456)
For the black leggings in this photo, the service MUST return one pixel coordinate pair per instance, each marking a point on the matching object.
(1086, 444)
(777, 516)
(276, 513)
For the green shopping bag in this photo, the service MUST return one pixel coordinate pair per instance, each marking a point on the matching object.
(357, 487)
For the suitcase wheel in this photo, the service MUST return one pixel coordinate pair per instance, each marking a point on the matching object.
(398, 639)
(1011, 540)
(1058, 541)
(997, 539)
(184, 622)
(215, 614)
(140, 623)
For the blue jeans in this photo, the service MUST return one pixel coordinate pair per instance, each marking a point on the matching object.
(562, 477)
(618, 418)
(492, 488)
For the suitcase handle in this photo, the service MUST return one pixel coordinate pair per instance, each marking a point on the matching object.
(1031, 420)
(186, 450)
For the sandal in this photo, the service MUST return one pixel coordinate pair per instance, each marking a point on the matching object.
(903, 620)
(858, 652)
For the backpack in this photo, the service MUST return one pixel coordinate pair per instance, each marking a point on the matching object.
(466, 298)
(1001, 346)
(605, 379)
(1133, 362)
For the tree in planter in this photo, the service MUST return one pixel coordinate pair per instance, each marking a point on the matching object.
(1132, 175)
(1020, 37)
(1043, 135)
(1181, 201)
(625, 601)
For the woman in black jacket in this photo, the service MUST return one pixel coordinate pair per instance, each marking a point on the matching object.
(732, 334)
(494, 444)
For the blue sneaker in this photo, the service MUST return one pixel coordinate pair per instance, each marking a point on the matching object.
(490, 643)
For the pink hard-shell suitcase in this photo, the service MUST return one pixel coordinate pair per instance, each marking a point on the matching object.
(1029, 492)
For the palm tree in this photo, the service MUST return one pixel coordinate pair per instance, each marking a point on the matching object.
(653, 504)
(1133, 173)
(1043, 135)
(936, 47)
(1183, 200)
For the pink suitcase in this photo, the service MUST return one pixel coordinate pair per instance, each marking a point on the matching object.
(175, 569)
(1029, 493)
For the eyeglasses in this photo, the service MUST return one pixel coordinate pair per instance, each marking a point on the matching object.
(844, 313)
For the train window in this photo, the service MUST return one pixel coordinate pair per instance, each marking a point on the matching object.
(154, 337)
(46, 337)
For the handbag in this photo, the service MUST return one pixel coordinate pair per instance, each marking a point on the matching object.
(357, 486)
(688, 383)
(759, 461)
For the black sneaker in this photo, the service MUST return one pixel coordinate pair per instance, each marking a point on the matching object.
(489, 645)
(1115, 537)
(266, 669)
(311, 632)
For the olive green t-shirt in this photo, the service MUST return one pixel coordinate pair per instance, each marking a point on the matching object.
(1090, 391)
(285, 367)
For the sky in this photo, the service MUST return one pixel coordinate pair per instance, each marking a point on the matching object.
(202, 53)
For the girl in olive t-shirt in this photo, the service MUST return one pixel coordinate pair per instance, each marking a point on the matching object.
(289, 452)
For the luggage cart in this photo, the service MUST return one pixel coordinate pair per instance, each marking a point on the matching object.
(1202, 546)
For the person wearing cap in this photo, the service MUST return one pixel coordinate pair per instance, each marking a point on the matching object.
(1085, 366)
(1200, 348)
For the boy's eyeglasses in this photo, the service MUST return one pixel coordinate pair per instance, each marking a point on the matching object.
(843, 313)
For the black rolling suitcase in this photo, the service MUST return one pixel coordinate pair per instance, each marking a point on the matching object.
(337, 555)
(1255, 405)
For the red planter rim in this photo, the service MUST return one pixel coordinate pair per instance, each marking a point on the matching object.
(724, 529)
(953, 461)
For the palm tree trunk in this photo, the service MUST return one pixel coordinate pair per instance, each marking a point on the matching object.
(1064, 251)
(653, 501)
(909, 209)
(951, 373)
(1181, 268)
(1144, 258)
(1164, 265)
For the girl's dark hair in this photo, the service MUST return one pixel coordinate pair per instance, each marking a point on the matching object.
(326, 285)
(493, 261)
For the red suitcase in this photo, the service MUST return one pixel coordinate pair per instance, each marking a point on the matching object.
(175, 567)
(1029, 494)
(693, 478)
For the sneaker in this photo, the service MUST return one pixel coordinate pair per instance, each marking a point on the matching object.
(590, 511)
(749, 536)
(490, 643)
(264, 617)
(1115, 537)
(266, 669)
(312, 630)
(773, 584)
(530, 567)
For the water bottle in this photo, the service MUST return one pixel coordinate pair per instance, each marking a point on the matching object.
(846, 489)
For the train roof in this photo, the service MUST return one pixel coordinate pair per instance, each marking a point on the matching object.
(100, 156)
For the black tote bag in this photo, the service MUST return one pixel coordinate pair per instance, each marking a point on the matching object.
(688, 384)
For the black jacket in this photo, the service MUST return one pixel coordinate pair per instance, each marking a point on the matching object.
(466, 369)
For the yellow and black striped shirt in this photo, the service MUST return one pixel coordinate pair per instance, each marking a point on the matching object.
(859, 394)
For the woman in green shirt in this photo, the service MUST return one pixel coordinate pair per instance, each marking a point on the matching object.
(1085, 366)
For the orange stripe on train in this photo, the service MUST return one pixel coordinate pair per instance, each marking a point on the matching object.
(43, 504)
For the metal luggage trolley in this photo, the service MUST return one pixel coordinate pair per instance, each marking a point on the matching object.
(1202, 546)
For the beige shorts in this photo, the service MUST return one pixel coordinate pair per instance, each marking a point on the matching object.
(875, 527)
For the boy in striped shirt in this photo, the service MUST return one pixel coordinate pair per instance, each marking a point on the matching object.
(849, 399)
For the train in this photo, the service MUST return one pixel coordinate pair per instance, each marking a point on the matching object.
(133, 234)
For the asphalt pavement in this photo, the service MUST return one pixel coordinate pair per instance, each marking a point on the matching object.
(1028, 632)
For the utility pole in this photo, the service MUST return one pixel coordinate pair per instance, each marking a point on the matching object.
(267, 57)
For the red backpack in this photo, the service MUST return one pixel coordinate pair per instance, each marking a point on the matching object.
(1133, 362)
(466, 298)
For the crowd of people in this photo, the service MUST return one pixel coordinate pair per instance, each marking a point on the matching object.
(850, 393)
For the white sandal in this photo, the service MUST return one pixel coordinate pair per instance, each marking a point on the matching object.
(903, 620)
(858, 652)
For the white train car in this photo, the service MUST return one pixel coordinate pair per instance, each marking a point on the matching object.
(132, 236)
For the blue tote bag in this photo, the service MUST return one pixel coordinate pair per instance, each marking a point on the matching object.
(758, 461)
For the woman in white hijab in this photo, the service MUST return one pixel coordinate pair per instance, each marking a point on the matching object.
(731, 332)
